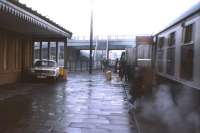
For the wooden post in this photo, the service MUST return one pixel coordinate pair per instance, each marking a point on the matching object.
(81, 65)
(57, 51)
(70, 65)
(65, 54)
(107, 49)
(40, 50)
(48, 52)
(33, 52)
(75, 66)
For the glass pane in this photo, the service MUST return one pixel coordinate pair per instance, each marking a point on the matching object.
(36, 51)
(44, 50)
(170, 60)
(61, 53)
(53, 51)
(172, 38)
(161, 42)
(188, 33)
(160, 60)
(187, 53)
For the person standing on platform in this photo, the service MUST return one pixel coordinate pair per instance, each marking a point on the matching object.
(122, 66)
(116, 65)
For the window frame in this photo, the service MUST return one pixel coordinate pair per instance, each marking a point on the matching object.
(161, 42)
(168, 72)
(192, 34)
(160, 61)
(44, 50)
(192, 74)
(187, 43)
(52, 51)
(172, 39)
(171, 45)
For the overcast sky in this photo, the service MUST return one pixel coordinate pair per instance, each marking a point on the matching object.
(112, 16)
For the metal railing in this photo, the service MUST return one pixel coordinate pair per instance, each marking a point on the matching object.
(81, 66)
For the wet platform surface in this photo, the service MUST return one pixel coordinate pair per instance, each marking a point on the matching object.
(83, 104)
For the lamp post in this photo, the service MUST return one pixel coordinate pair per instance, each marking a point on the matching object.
(91, 37)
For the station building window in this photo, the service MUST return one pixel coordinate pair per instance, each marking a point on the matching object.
(61, 53)
(36, 51)
(160, 54)
(44, 50)
(187, 54)
(170, 61)
(53, 51)
(49, 50)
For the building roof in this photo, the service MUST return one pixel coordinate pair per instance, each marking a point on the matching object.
(192, 11)
(28, 14)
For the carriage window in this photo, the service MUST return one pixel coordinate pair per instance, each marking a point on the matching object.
(187, 53)
(160, 60)
(170, 61)
(61, 53)
(188, 33)
(161, 42)
(171, 40)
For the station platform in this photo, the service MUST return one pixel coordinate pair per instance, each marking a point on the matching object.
(83, 104)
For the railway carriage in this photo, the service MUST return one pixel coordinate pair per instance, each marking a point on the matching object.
(177, 49)
(172, 55)
(166, 73)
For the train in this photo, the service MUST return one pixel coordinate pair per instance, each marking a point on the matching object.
(164, 74)
(174, 52)
(177, 49)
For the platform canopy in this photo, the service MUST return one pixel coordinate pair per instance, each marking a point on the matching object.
(19, 18)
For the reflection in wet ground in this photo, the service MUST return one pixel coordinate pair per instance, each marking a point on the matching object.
(83, 104)
(12, 110)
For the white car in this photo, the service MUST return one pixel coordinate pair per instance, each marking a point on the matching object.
(45, 69)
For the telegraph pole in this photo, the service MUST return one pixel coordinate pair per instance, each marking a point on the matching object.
(91, 38)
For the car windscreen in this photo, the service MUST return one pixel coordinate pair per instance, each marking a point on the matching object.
(45, 64)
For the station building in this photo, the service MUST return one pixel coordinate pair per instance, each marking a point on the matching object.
(25, 36)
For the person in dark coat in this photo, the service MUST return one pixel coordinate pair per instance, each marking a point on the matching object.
(116, 65)
(122, 64)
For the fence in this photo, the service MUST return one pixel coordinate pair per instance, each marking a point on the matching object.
(81, 66)
(74, 66)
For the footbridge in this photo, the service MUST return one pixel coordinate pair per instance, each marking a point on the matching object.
(117, 43)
